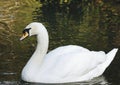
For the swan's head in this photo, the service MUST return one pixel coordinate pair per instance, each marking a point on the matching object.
(32, 29)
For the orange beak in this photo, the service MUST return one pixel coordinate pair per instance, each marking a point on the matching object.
(24, 36)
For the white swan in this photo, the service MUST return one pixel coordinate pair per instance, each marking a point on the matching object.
(64, 64)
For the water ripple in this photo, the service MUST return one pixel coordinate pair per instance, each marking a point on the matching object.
(7, 73)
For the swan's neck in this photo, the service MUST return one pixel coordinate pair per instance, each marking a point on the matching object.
(41, 50)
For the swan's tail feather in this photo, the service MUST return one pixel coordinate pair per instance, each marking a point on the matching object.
(110, 56)
(102, 67)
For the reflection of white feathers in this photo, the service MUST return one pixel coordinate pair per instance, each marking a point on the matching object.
(64, 64)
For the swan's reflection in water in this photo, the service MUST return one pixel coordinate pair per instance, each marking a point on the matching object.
(96, 81)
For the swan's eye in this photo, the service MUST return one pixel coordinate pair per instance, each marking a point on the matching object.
(26, 30)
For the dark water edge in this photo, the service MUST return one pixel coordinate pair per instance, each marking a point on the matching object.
(98, 81)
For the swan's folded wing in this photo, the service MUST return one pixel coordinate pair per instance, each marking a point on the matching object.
(72, 65)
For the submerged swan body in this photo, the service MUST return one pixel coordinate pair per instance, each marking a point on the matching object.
(70, 63)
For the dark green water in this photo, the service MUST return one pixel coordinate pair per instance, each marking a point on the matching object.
(92, 28)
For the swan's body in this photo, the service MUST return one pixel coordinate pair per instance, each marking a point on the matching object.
(64, 64)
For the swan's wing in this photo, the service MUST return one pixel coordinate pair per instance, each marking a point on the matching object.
(77, 64)
(63, 51)
(71, 64)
